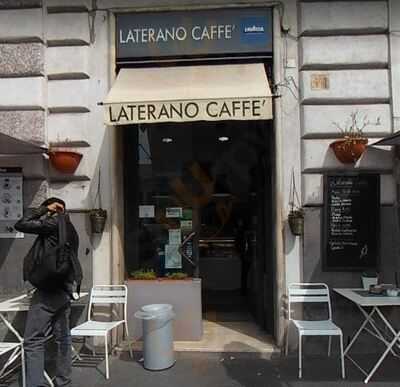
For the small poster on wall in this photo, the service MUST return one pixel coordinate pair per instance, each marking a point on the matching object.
(11, 201)
(146, 211)
(175, 236)
(173, 212)
(173, 259)
(186, 225)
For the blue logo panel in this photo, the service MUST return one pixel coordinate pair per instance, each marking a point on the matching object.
(254, 30)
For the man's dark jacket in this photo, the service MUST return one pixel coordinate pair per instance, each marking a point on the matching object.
(39, 222)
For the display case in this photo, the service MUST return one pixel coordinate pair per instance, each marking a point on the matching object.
(216, 257)
(217, 247)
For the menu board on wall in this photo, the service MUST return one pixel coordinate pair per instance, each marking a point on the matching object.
(351, 222)
(11, 201)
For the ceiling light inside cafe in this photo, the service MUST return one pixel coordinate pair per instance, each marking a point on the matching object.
(223, 138)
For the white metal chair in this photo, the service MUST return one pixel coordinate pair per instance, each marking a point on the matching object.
(104, 295)
(13, 350)
(318, 293)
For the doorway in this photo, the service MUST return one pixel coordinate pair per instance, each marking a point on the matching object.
(208, 186)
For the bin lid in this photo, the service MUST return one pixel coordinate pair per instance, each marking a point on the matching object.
(156, 309)
(153, 311)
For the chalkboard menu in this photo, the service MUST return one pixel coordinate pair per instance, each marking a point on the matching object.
(351, 222)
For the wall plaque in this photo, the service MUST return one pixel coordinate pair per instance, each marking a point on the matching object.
(319, 82)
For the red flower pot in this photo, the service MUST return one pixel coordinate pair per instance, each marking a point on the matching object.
(349, 150)
(65, 161)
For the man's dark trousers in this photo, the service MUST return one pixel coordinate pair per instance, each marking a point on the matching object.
(49, 313)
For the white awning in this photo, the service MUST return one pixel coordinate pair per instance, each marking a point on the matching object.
(189, 93)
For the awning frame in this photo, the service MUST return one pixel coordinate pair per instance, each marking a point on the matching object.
(189, 93)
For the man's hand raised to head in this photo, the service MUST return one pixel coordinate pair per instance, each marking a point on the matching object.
(55, 207)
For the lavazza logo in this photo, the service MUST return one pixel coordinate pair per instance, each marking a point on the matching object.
(254, 29)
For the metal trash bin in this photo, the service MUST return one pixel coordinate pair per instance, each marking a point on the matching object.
(158, 344)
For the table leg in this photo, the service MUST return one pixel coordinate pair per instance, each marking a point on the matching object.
(368, 316)
(394, 332)
(378, 334)
(17, 352)
(378, 363)
(21, 340)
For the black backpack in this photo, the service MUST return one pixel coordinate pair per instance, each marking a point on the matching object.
(51, 268)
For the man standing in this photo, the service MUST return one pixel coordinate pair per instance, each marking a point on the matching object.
(51, 302)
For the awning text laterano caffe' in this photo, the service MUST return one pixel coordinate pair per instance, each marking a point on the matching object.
(180, 111)
(192, 93)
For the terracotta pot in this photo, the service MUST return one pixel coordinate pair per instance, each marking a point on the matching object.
(348, 151)
(65, 161)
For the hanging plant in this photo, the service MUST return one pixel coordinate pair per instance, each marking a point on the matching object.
(353, 143)
(296, 213)
(98, 216)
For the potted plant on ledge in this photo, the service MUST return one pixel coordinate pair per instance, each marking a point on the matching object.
(352, 145)
(64, 160)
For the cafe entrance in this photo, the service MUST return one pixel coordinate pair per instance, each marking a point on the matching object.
(198, 163)
(198, 203)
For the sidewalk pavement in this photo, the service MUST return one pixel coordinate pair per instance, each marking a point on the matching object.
(195, 369)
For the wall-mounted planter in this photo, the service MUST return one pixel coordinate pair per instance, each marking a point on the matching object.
(65, 161)
(296, 222)
(348, 151)
(98, 219)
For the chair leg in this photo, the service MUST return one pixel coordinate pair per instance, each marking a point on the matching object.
(128, 338)
(106, 353)
(75, 354)
(342, 356)
(48, 378)
(329, 345)
(287, 339)
(300, 365)
(23, 366)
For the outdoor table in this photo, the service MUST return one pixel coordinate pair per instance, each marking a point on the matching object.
(370, 306)
(22, 304)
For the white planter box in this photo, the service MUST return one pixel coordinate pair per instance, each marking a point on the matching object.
(183, 295)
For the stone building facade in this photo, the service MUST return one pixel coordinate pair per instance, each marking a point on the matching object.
(57, 61)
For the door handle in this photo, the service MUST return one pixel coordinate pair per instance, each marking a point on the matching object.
(180, 248)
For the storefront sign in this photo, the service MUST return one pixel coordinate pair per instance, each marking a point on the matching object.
(181, 111)
(190, 33)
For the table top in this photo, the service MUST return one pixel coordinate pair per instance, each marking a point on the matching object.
(373, 300)
(22, 303)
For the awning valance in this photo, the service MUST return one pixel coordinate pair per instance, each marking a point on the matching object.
(189, 93)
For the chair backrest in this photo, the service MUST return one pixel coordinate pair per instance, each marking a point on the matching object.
(108, 295)
(308, 292)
